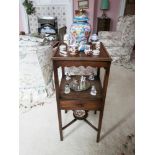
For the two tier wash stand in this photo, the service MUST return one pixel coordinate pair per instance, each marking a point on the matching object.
(81, 100)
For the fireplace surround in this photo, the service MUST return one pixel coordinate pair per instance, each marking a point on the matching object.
(48, 27)
(55, 11)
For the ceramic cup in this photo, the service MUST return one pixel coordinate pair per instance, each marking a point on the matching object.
(62, 48)
(97, 45)
(96, 52)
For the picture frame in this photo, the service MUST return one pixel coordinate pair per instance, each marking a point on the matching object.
(83, 4)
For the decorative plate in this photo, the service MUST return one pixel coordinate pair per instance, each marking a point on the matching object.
(80, 114)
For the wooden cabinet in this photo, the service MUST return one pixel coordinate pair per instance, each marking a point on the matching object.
(103, 24)
(83, 100)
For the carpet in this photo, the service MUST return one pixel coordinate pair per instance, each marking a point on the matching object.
(39, 133)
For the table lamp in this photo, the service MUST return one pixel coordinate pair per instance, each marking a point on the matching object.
(104, 6)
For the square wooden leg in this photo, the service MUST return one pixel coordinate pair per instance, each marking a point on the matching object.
(99, 126)
(60, 124)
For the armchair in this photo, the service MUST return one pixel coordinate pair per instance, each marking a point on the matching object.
(35, 72)
(120, 43)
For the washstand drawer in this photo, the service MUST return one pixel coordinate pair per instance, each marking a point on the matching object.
(81, 105)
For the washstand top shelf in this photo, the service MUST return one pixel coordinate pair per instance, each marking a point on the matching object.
(103, 56)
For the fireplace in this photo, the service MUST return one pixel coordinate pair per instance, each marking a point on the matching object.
(48, 27)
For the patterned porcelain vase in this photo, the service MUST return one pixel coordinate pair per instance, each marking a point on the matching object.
(80, 29)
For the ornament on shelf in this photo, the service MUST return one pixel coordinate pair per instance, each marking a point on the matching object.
(67, 89)
(80, 29)
(91, 77)
(93, 91)
(94, 38)
(68, 76)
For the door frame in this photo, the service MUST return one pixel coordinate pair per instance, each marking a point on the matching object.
(122, 7)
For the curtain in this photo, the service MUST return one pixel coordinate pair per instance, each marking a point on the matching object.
(23, 18)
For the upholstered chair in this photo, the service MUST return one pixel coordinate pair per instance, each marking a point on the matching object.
(35, 72)
(120, 43)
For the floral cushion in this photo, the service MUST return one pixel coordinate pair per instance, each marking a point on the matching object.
(109, 35)
(111, 42)
(120, 22)
(121, 42)
(122, 55)
(125, 33)
(128, 33)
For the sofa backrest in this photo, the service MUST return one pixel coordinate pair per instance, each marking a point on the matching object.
(126, 25)
(120, 23)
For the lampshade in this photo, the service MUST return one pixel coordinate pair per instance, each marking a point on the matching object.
(104, 4)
